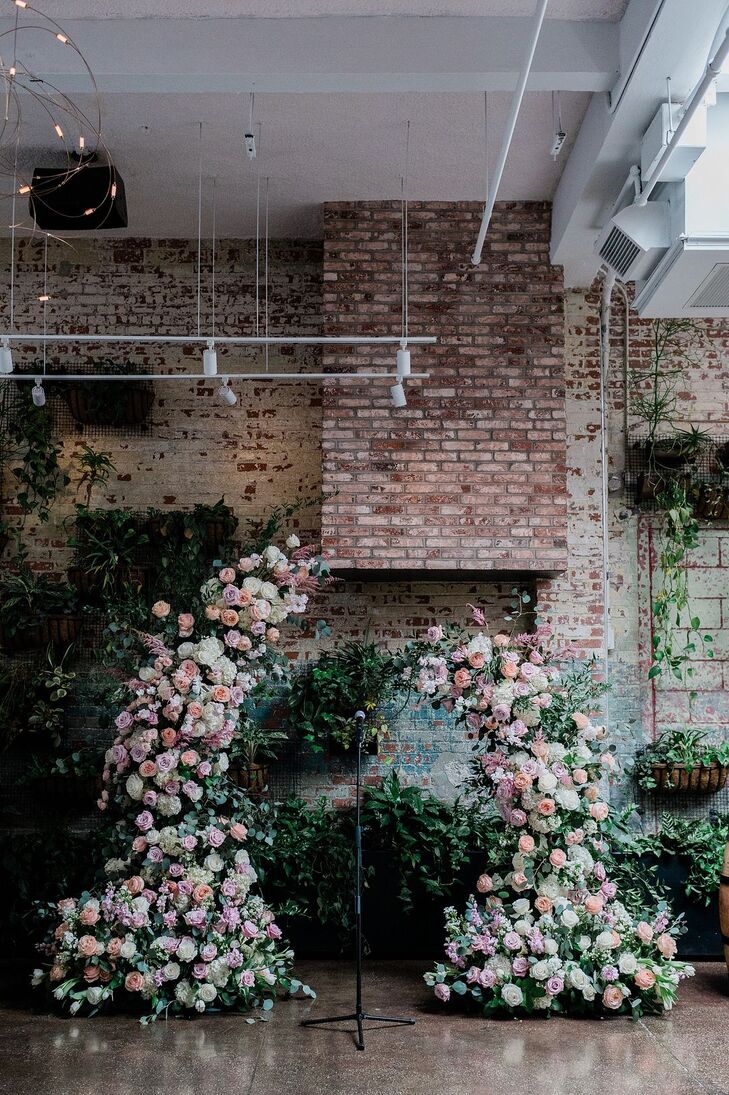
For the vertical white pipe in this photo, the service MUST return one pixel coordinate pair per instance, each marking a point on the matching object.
(607, 292)
(509, 132)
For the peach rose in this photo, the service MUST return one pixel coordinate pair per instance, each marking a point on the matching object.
(501, 639)
(147, 768)
(557, 858)
(105, 976)
(201, 892)
(509, 669)
(88, 916)
(160, 609)
(579, 775)
(189, 668)
(484, 884)
(462, 678)
(57, 972)
(546, 807)
(227, 575)
(91, 974)
(476, 660)
(543, 904)
(113, 947)
(612, 997)
(139, 844)
(594, 904)
(273, 634)
(581, 721)
(599, 810)
(244, 597)
(135, 885)
(169, 736)
(189, 757)
(540, 748)
(666, 945)
(644, 931)
(213, 612)
(645, 979)
(185, 624)
(134, 981)
(522, 781)
(238, 831)
(194, 709)
(221, 694)
(229, 617)
(526, 843)
(87, 946)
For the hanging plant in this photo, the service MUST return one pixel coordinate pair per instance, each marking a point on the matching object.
(110, 403)
(34, 452)
(678, 637)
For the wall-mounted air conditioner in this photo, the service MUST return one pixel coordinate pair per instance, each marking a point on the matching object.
(632, 241)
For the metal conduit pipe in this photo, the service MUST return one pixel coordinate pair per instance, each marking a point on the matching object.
(605, 315)
(509, 132)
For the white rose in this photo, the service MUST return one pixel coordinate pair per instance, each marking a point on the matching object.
(577, 978)
(186, 950)
(223, 763)
(253, 585)
(269, 591)
(588, 991)
(627, 963)
(584, 943)
(605, 941)
(567, 798)
(135, 786)
(152, 836)
(94, 995)
(521, 906)
(293, 541)
(547, 781)
(128, 949)
(569, 918)
(550, 946)
(208, 992)
(214, 862)
(185, 650)
(146, 673)
(540, 971)
(511, 995)
(171, 971)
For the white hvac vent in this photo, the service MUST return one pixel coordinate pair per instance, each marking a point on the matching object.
(714, 289)
(634, 240)
(619, 251)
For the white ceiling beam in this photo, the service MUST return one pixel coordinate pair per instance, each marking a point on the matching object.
(340, 54)
(658, 38)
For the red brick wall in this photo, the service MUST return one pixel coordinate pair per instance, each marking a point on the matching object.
(471, 474)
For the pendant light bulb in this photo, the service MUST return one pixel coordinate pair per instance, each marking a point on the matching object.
(397, 395)
(6, 357)
(39, 395)
(403, 360)
(226, 394)
(210, 360)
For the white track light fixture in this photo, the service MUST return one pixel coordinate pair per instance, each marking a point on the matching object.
(249, 141)
(210, 360)
(6, 358)
(397, 395)
(39, 395)
(403, 360)
(226, 394)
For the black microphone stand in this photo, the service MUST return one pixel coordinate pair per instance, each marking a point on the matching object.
(359, 1015)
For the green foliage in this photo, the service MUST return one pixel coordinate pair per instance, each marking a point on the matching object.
(654, 390)
(182, 545)
(699, 844)
(34, 452)
(326, 694)
(687, 747)
(96, 467)
(255, 743)
(54, 684)
(108, 545)
(677, 633)
(27, 598)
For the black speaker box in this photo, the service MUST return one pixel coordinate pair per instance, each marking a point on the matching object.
(89, 197)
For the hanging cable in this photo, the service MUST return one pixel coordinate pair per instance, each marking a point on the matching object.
(199, 226)
(212, 286)
(486, 141)
(404, 236)
(258, 235)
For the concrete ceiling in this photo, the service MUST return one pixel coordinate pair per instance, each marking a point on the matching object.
(276, 9)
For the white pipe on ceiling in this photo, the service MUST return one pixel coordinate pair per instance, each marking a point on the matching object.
(509, 133)
(283, 340)
(54, 377)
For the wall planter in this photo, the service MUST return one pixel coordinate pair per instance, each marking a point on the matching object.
(253, 778)
(58, 631)
(126, 404)
(216, 531)
(90, 584)
(724, 905)
(712, 503)
(698, 779)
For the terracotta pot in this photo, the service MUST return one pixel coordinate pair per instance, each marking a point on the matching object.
(253, 778)
(724, 905)
(701, 779)
(130, 409)
(59, 630)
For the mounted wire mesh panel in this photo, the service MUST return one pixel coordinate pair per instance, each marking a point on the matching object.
(650, 470)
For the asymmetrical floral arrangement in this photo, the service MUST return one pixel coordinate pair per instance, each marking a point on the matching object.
(177, 923)
(547, 931)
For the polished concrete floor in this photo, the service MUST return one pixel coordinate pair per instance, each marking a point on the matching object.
(446, 1053)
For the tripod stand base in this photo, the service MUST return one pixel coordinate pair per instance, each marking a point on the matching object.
(359, 1018)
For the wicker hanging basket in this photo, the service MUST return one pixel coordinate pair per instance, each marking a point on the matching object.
(699, 779)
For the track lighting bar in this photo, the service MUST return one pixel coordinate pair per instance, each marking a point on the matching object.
(228, 340)
(53, 377)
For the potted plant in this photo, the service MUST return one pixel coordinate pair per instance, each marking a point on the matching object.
(111, 402)
(108, 546)
(36, 611)
(683, 760)
(326, 694)
(209, 526)
(253, 749)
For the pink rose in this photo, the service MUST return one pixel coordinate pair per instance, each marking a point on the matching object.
(238, 831)
(88, 916)
(517, 818)
(160, 609)
(543, 904)
(484, 884)
(215, 838)
(134, 981)
(666, 945)
(434, 634)
(579, 775)
(273, 634)
(599, 810)
(185, 624)
(442, 992)
(546, 807)
(581, 721)
(557, 858)
(645, 978)
(212, 612)
(462, 678)
(221, 694)
(612, 997)
(644, 931)
(526, 843)
(227, 575)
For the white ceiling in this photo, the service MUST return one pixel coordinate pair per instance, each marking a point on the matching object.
(314, 148)
(275, 9)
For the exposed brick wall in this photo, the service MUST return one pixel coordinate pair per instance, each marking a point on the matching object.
(471, 474)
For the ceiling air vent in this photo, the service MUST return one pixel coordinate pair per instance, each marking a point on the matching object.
(633, 241)
(714, 289)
